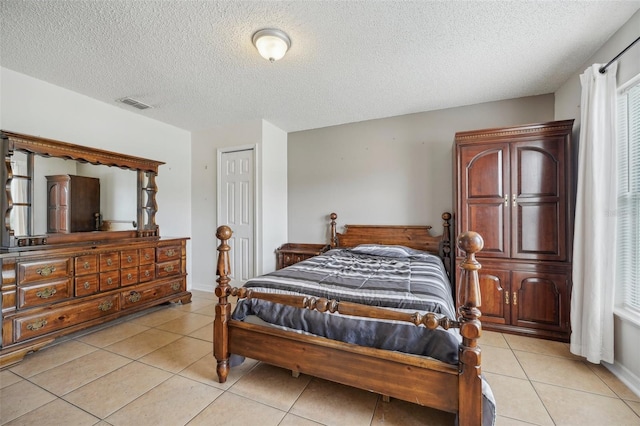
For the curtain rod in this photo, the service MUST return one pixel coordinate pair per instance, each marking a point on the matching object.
(604, 68)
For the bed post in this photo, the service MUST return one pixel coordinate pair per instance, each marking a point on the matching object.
(334, 237)
(223, 308)
(470, 381)
(445, 251)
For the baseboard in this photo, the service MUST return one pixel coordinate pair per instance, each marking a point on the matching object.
(625, 375)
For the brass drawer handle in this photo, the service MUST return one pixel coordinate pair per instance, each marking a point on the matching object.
(46, 271)
(171, 252)
(87, 285)
(134, 296)
(86, 265)
(37, 325)
(129, 276)
(129, 259)
(147, 273)
(46, 293)
(147, 256)
(106, 305)
(506, 298)
(109, 262)
(168, 268)
(109, 281)
(515, 298)
(175, 286)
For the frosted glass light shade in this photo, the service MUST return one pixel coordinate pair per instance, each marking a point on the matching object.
(271, 44)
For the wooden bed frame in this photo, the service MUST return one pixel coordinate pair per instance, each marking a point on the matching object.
(413, 378)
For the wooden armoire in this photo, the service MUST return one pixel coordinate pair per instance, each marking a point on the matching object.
(514, 185)
(72, 203)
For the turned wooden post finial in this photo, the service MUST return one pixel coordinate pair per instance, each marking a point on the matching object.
(469, 285)
(334, 241)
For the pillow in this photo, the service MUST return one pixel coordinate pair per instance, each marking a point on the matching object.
(386, 250)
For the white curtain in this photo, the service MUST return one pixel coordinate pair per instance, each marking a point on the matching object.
(594, 244)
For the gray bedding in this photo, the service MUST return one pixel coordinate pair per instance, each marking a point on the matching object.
(392, 277)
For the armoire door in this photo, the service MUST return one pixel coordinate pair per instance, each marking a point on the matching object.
(495, 294)
(540, 300)
(538, 199)
(483, 188)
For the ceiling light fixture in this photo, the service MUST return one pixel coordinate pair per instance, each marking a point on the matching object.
(271, 43)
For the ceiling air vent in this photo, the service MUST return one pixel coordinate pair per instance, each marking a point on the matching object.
(136, 104)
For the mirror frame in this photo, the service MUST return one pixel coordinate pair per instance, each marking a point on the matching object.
(147, 171)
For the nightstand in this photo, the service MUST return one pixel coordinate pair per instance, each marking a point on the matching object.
(290, 253)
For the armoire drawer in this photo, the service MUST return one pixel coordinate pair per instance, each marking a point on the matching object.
(26, 327)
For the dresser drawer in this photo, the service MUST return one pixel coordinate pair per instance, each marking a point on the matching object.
(40, 270)
(109, 280)
(44, 293)
(86, 264)
(168, 253)
(128, 276)
(129, 258)
(87, 284)
(147, 255)
(30, 326)
(109, 261)
(166, 269)
(146, 273)
(138, 297)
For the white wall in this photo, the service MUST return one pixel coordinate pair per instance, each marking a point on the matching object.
(271, 195)
(38, 108)
(396, 170)
(274, 193)
(627, 333)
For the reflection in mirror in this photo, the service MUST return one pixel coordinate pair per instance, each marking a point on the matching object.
(19, 217)
(118, 197)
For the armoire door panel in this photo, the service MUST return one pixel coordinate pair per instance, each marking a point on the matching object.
(538, 232)
(489, 220)
(538, 300)
(485, 172)
(537, 171)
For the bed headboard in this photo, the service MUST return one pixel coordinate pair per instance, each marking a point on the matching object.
(417, 237)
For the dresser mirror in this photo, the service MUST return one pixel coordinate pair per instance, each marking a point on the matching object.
(126, 192)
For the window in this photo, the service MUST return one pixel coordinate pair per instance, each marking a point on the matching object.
(628, 232)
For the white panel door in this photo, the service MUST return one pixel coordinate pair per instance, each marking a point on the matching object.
(236, 208)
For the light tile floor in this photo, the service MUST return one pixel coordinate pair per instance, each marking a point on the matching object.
(157, 368)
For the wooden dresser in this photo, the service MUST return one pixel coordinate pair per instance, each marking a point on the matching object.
(514, 187)
(62, 280)
(50, 292)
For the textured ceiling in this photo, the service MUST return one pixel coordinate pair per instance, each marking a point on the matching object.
(194, 62)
